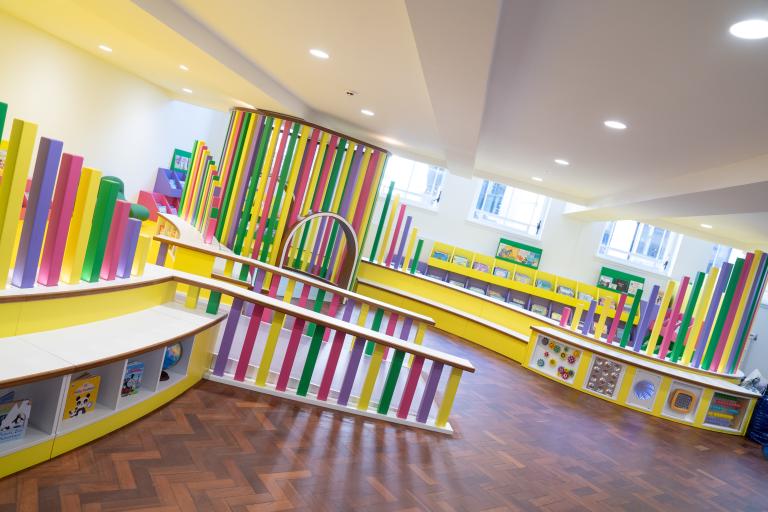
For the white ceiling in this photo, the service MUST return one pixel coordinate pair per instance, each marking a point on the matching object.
(497, 88)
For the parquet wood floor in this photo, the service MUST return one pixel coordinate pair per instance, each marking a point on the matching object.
(522, 443)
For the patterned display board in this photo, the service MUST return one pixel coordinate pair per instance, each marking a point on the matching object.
(726, 411)
(645, 388)
(604, 377)
(67, 231)
(555, 359)
(275, 170)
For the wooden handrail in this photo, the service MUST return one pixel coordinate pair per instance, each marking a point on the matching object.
(277, 305)
(296, 276)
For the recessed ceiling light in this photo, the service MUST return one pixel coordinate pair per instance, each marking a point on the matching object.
(390, 140)
(367, 112)
(320, 54)
(750, 29)
(105, 48)
(188, 91)
(560, 161)
(615, 125)
(706, 226)
(183, 67)
(536, 178)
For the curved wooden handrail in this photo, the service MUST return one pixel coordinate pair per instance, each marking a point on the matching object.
(296, 276)
(320, 319)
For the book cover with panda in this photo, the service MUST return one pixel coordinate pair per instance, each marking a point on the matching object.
(14, 416)
(81, 395)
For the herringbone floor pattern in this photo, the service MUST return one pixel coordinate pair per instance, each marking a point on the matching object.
(522, 443)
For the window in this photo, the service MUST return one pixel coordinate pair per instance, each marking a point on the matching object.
(640, 245)
(510, 209)
(417, 183)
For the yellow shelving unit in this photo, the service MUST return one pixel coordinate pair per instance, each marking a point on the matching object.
(523, 279)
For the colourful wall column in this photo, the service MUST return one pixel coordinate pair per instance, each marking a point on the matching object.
(38, 205)
(59, 221)
(102, 220)
(80, 226)
(17, 161)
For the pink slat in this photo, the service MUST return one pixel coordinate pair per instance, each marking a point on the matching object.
(248, 342)
(617, 319)
(210, 230)
(748, 262)
(333, 355)
(393, 242)
(366, 191)
(566, 315)
(323, 181)
(271, 188)
(390, 330)
(410, 387)
(306, 170)
(670, 328)
(60, 217)
(116, 240)
(273, 286)
(333, 308)
(293, 343)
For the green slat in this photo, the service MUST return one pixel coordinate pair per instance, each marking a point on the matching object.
(269, 232)
(309, 365)
(750, 317)
(415, 261)
(389, 386)
(363, 235)
(375, 326)
(724, 307)
(677, 351)
(102, 220)
(213, 303)
(630, 320)
(382, 220)
(233, 171)
(329, 250)
(3, 113)
(316, 308)
(340, 151)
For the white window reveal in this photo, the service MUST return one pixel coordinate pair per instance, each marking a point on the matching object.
(510, 209)
(640, 245)
(417, 183)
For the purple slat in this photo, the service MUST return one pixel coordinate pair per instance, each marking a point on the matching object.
(349, 375)
(589, 319)
(229, 335)
(36, 217)
(403, 240)
(429, 392)
(162, 252)
(125, 263)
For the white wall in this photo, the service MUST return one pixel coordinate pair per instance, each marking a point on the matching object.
(122, 125)
(569, 247)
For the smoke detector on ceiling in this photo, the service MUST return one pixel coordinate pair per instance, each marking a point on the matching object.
(350, 92)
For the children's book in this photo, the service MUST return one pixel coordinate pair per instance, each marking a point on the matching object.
(14, 416)
(81, 395)
(481, 267)
(134, 371)
(501, 272)
(460, 260)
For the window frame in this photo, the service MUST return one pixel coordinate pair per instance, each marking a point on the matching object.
(635, 259)
(471, 216)
(425, 202)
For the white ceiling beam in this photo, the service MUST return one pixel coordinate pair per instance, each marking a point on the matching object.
(189, 27)
(455, 40)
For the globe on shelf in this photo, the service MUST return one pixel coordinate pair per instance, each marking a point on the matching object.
(171, 358)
